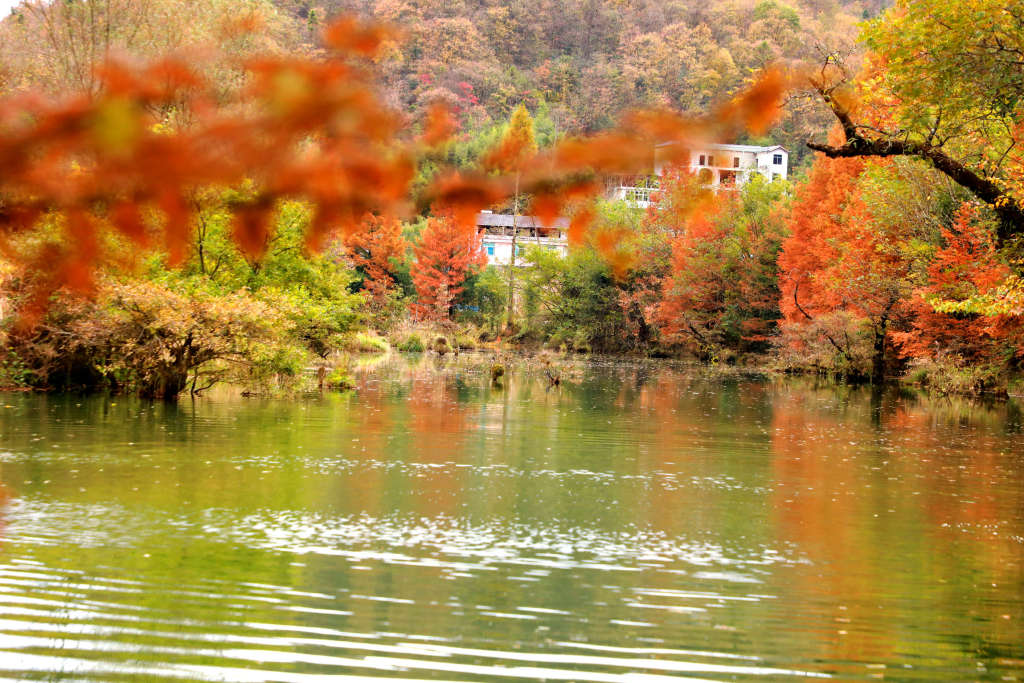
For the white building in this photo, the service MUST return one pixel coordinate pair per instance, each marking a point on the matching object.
(496, 230)
(719, 166)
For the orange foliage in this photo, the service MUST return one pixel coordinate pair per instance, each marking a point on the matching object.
(758, 107)
(847, 275)
(692, 294)
(579, 224)
(811, 247)
(720, 290)
(966, 266)
(374, 249)
(439, 126)
(446, 255)
(610, 241)
(464, 195)
(682, 197)
(349, 34)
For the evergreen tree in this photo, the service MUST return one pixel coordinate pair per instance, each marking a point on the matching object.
(445, 256)
(376, 249)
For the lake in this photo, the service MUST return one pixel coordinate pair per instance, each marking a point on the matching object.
(641, 522)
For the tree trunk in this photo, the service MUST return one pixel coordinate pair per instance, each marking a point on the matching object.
(989, 190)
(878, 358)
(512, 258)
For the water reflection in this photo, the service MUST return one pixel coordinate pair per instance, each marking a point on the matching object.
(641, 519)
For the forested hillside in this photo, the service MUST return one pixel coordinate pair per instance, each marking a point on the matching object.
(588, 60)
(578, 63)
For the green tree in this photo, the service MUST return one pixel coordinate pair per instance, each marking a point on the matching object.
(484, 298)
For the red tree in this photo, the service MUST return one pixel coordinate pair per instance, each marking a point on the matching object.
(846, 274)
(967, 266)
(375, 248)
(720, 290)
(446, 255)
(814, 226)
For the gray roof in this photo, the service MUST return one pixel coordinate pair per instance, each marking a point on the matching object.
(505, 220)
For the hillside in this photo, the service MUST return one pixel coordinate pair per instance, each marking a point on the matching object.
(579, 62)
(587, 60)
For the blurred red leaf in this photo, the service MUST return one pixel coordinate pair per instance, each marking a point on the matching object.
(251, 229)
(176, 226)
(439, 126)
(127, 218)
(349, 34)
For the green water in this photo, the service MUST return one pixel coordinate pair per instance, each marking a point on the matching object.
(638, 523)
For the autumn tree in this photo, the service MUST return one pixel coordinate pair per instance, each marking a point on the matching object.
(814, 314)
(376, 249)
(965, 267)
(857, 251)
(721, 294)
(445, 256)
(943, 86)
(145, 337)
(60, 46)
(517, 147)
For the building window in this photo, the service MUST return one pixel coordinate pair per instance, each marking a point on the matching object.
(711, 160)
(735, 162)
(519, 250)
(490, 250)
(777, 160)
(701, 160)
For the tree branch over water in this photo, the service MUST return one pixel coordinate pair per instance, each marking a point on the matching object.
(941, 83)
(1009, 210)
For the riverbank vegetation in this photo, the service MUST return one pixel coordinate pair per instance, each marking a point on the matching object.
(255, 215)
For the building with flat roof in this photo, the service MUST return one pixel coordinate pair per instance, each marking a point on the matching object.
(719, 166)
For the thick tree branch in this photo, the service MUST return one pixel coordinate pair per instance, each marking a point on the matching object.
(1009, 211)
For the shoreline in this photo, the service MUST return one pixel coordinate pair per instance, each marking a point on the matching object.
(511, 355)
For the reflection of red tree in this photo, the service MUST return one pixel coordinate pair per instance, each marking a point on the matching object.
(966, 487)
(4, 495)
(437, 426)
(821, 499)
(374, 424)
(842, 488)
(435, 410)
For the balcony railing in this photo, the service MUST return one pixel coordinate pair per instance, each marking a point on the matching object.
(636, 195)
